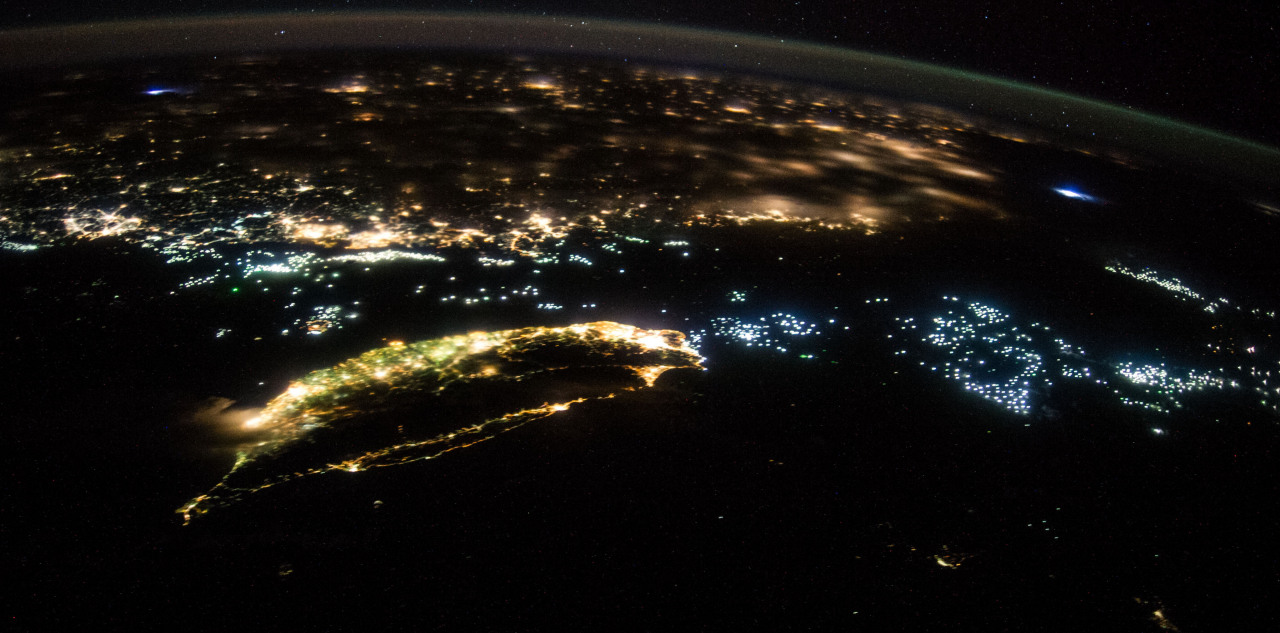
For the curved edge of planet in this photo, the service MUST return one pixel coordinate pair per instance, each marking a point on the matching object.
(1208, 151)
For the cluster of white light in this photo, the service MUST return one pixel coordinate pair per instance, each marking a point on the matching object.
(1264, 385)
(255, 262)
(1161, 382)
(304, 263)
(489, 262)
(749, 333)
(485, 295)
(182, 252)
(1065, 347)
(384, 256)
(16, 246)
(993, 357)
(1146, 275)
(1075, 372)
(1160, 377)
(263, 262)
(324, 318)
(775, 331)
(1143, 404)
(200, 281)
(737, 296)
(1006, 362)
(550, 306)
(792, 326)
(579, 259)
(1163, 386)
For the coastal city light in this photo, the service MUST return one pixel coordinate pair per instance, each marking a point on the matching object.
(627, 358)
(708, 320)
(917, 173)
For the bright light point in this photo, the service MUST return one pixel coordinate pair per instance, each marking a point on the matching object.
(1074, 194)
(652, 341)
(540, 83)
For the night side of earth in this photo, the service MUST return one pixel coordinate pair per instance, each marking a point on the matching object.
(488, 340)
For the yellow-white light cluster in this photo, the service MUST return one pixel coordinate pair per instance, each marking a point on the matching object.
(326, 398)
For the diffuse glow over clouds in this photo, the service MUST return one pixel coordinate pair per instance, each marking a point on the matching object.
(676, 150)
(665, 44)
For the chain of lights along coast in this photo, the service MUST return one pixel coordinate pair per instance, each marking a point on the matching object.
(361, 386)
(736, 347)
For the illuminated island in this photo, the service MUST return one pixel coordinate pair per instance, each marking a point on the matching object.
(978, 356)
(412, 401)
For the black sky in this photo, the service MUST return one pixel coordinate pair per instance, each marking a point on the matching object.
(1214, 64)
